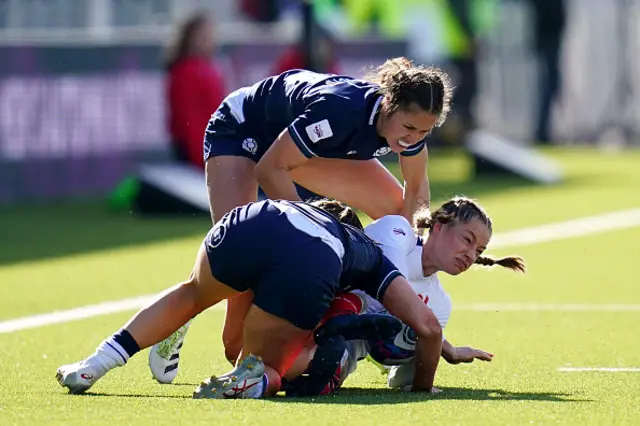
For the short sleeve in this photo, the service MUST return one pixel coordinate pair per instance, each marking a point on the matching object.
(375, 281)
(396, 238)
(322, 126)
(414, 149)
(381, 277)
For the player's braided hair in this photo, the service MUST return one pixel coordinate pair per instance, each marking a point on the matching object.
(340, 211)
(404, 84)
(463, 210)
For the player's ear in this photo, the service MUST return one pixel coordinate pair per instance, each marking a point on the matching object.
(436, 227)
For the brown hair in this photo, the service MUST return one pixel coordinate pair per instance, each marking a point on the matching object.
(404, 84)
(340, 211)
(463, 210)
(179, 46)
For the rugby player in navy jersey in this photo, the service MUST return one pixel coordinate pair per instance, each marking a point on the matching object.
(293, 257)
(324, 132)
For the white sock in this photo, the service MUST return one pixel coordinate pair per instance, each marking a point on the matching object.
(109, 355)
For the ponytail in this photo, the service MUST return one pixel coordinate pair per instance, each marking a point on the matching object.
(515, 263)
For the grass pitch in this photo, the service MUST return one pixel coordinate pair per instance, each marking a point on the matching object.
(63, 256)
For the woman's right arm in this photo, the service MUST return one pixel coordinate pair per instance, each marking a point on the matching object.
(321, 127)
(272, 171)
(402, 302)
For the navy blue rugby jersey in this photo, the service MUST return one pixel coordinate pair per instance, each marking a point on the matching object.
(327, 115)
(364, 265)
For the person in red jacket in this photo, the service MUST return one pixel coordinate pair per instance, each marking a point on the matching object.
(195, 88)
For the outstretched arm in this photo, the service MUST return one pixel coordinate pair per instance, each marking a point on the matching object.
(272, 171)
(457, 355)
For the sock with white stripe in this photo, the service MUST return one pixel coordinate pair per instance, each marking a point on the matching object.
(115, 351)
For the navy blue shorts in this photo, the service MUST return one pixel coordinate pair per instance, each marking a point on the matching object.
(228, 134)
(294, 274)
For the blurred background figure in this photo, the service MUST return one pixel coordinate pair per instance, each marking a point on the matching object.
(549, 17)
(464, 60)
(380, 17)
(296, 56)
(195, 87)
(466, 24)
(459, 34)
(453, 34)
(260, 10)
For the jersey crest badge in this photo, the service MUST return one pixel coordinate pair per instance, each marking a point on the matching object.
(250, 145)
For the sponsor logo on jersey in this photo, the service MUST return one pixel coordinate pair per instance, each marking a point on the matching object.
(399, 231)
(382, 151)
(318, 131)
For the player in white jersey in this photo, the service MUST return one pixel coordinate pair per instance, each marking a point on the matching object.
(459, 233)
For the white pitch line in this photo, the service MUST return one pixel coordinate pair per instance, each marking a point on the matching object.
(599, 369)
(74, 314)
(527, 236)
(568, 229)
(555, 307)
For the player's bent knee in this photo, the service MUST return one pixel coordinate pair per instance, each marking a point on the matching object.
(190, 291)
(203, 297)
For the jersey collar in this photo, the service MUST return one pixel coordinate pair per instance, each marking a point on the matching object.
(376, 109)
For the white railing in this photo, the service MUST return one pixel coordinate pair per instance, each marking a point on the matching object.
(113, 21)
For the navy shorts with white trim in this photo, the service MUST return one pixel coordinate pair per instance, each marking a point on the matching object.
(293, 271)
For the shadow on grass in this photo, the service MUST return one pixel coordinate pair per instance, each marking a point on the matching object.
(369, 396)
(133, 395)
(37, 232)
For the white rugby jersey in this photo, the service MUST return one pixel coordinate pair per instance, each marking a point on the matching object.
(403, 247)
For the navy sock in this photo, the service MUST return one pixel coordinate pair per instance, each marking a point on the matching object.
(128, 343)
